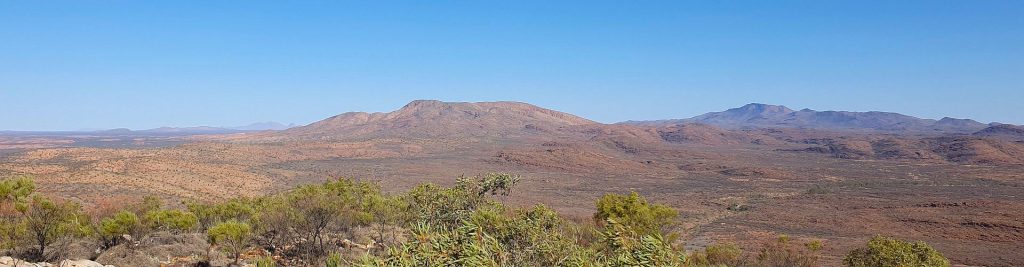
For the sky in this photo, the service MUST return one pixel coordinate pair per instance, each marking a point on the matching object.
(72, 65)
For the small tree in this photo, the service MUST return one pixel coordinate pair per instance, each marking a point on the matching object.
(14, 198)
(276, 221)
(47, 221)
(149, 203)
(637, 215)
(387, 211)
(316, 211)
(232, 236)
(122, 223)
(171, 220)
(886, 251)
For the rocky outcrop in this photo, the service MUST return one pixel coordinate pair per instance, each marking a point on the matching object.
(6, 261)
(162, 249)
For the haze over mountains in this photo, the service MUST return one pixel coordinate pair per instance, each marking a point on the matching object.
(774, 116)
(167, 130)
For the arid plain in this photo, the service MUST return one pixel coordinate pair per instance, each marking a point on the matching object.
(745, 175)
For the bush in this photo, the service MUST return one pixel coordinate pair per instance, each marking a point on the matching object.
(122, 223)
(784, 253)
(265, 262)
(886, 251)
(207, 214)
(232, 236)
(429, 225)
(818, 190)
(333, 260)
(47, 221)
(637, 215)
(622, 249)
(335, 206)
(717, 255)
(14, 197)
(171, 220)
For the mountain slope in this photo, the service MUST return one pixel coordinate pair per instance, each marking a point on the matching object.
(430, 118)
(1003, 131)
(773, 116)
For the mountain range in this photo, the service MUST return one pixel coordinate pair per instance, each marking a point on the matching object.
(841, 134)
(757, 115)
(432, 118)
(955, 181)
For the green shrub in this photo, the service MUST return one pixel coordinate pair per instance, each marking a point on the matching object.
(16, 190)
(335, 206)
(14, 197)
(122, 223)
(442, 206)
(47, 221)
(818, 190)
(717, 255)
(209, 214)
(624, 249)
(886, 251)
(637, 215)
(265, 262)
(172, 220)
(333, 260)
(232, 236)
(149, 203)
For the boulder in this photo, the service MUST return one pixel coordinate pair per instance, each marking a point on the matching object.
(81, 263)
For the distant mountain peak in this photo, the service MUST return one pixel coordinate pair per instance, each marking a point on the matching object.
(438, 118)
(423, 103)
(760, 115)
(262, 126)
(765, 108)
(1000, 130)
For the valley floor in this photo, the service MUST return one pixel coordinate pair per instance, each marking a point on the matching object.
(726, 193)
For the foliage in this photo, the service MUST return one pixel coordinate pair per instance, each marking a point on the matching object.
(889, 252)
(16, 190)
(624, 249)
(466, 245)
(14, 197)
(429, 225)
(637, 215)
(784, 253)
(439, 205)
(717, 255)
(208, 214)
(490, 184)
(47, 221)
(123, 223)
(337, 205)
(149, 203)
(387, 213)
(333, 260)
(233, 236)
(172, 220)
(535, 236)
(265, 262)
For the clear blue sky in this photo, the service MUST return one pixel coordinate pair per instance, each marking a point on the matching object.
(67, 65)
